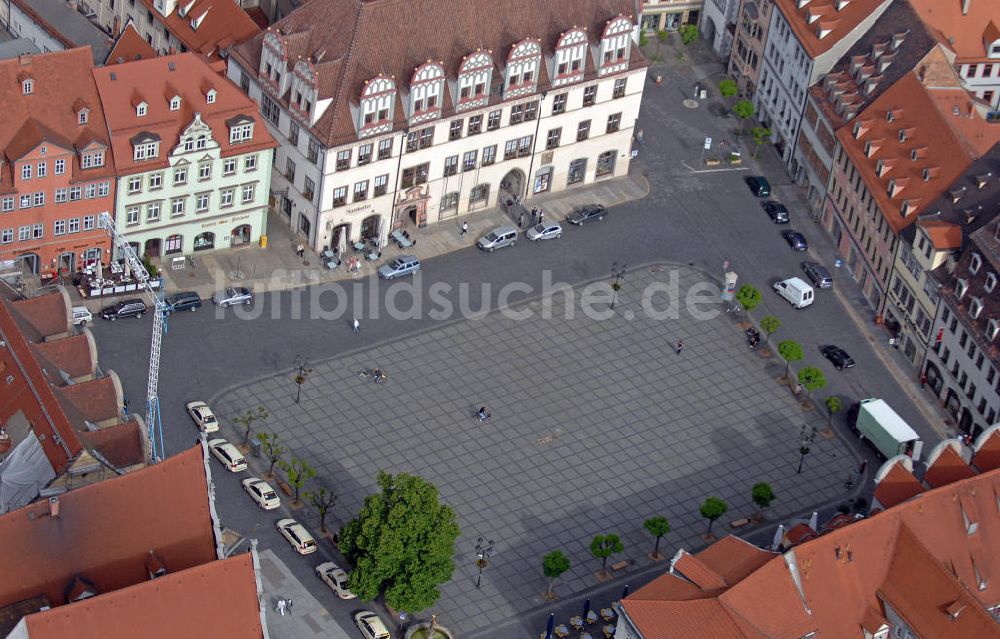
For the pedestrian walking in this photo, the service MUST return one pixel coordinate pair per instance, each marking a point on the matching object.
(520, 219)
(280, 607)
(465, 228)
(357, 325)
(534, 216)
(638, 136)
(679, 346)
(862, 467)
(541, 215)
(300, 250)
(289, 605)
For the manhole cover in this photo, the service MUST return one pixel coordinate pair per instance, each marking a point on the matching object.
(691, 104)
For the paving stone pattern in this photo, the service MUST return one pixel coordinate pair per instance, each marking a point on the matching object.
(596, 426)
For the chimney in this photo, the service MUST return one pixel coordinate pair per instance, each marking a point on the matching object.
(922, 72)
(965, 7)
(54, 507)
(983, 180)
(24, 59)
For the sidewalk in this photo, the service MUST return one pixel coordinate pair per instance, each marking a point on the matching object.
(256, 267)
(309, 618)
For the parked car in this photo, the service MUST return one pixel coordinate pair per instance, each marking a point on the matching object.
(81, 315)
(335, 577)
(229, 455)
(261, 492)
(232, 295)
(795, 289)
(370, 625)
(795, 240)
(500, 237)
(297, 536)
(126, 308)
(584, 214)
(544, 231)
(203, 416)
(184, 301)
(817, 274)
(838, 357)
(776, 210)
(759, 185)
(402, 265)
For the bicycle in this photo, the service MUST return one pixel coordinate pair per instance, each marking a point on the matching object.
(374, 375)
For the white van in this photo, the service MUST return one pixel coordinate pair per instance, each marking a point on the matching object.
(796, 291)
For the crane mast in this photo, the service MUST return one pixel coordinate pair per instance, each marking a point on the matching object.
(134, 265)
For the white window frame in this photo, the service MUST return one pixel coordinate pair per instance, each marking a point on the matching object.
(229, 166)
(201, 202)
(249, 192)
(226, 198)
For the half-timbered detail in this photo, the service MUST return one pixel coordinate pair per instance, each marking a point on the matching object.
(615, 46)
(389, 123)
(474, 77)
(570, 58)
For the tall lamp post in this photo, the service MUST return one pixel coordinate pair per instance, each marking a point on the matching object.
(302, 372)
(617, 275)
(483, 552)
(806, 436)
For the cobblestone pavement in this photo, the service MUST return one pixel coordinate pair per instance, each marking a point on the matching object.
(596, 426)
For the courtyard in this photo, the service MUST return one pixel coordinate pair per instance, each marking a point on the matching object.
(596, 425)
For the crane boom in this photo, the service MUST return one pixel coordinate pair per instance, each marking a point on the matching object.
(142, 276)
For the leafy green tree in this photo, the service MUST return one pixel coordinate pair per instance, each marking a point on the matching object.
(657, 527)
(761, 134)
(247, 419)
(271, 449)
(661, 38)
(298, 472)
(812, 379)
(603, 546)
(323, 500)
(401, 544)
(643, 39)
(790, 351)
(728, 88)
(689, 33)
(554, 565)
(712, 509)
(744, 110)
(769, 324)
(762, 495)
(833, 406)
(748, 296)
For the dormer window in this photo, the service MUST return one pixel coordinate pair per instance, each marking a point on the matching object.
(145, 146)
(991, 282)
(975, 262)
(961, 286)
(175, 103)
(615, 43)
(83, 116)
(426, 90)
(92, 160)
(210, 96)
(522, 68)
(975, 307)
(140, 109)
(28, 86)
(474, 76)
(992, 329)
(857, 130)
(569, 54)
(240, 129)
(902, 135)
(377, 100)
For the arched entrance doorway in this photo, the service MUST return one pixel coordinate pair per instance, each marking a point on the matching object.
(411, 209)
(240, 235)
(29, 263)
(66, 263)
(934, 379)
(512, 186)
(204, 241)
(710, 31)
(152, 249)
(339, 237)
(371, 228)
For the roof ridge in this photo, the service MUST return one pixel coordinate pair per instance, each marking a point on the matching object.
(337, 106)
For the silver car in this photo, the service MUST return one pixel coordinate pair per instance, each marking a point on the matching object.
(402, 265)
(544, 231)
(233, 295)
(498, 238)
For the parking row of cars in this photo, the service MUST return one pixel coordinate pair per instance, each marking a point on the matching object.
(174, 303)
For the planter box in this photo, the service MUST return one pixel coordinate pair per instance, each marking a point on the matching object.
(712, 162)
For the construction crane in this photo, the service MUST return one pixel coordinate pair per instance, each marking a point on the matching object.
(141, 275)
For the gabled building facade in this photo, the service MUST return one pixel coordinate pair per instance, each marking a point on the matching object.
(57, 168)
(194, 160)
(388, 121)
(753, 19)
(805, 39)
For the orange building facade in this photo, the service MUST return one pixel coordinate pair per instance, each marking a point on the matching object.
(56, 168)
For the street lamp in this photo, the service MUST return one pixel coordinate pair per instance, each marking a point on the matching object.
(483, 552)
(617, 275)
(301, 373)
(806, 436)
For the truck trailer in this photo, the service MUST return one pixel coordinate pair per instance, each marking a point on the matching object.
(875, 422)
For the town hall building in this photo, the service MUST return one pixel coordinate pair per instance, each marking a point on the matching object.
(396, 114)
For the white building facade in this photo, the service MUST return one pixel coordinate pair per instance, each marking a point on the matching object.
(442, 138)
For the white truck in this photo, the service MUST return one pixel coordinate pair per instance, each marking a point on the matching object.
(874, 421)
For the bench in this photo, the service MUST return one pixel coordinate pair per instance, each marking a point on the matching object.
(713, 162)
(621, 565)
(740, 523)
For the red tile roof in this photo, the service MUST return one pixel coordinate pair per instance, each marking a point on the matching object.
(945, 466)
(218, 599)
(155, 81)
(987, 454)
(223, 25)
(896, 486)
(698, 573)
(130, 46)
(944, 235)
(95, 401)
(838, 582)
(48, 315)
(122, 445)
(349, 43)
(73, 355)
(819, 24)
(967, 33)
(104, 532)
(57, 75)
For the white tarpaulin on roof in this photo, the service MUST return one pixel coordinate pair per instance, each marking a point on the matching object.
(24, 472)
